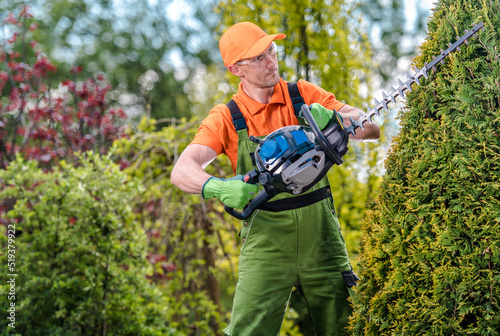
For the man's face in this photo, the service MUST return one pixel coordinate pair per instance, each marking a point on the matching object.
(261, 70)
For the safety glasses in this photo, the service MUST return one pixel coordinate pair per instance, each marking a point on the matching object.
(258, 61)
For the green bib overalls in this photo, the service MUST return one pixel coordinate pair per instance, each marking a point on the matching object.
(281, 249)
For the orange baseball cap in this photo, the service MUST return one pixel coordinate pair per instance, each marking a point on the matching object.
(244, 40)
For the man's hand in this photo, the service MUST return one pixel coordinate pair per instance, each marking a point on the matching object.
(232, 192)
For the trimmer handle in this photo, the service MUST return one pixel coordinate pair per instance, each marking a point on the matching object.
(250, 208)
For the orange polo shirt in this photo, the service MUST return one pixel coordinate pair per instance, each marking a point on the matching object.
(217, 130)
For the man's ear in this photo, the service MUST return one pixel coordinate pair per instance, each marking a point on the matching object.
(235, 70)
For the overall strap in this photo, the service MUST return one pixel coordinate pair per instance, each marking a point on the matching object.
(297, 99)
(236, 115)
(246, 157)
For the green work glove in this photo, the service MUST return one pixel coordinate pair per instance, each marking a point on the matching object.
(321, 115)
(232, 192)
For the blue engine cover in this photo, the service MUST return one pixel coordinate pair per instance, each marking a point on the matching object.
(282, 145)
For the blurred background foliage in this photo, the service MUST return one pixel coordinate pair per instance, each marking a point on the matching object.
(152, 71)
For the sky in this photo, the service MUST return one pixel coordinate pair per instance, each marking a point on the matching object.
(410, 6)
(410, 12)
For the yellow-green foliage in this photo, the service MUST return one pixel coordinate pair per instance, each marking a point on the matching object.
(429, 258)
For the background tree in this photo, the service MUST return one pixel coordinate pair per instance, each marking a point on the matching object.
(80, 253)
(429, 264)
(392, 36)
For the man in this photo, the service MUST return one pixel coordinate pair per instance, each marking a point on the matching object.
(300, 246)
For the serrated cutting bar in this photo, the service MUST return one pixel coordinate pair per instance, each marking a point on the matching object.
(411, 79)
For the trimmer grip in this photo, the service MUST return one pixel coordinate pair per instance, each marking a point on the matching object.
(250, 208)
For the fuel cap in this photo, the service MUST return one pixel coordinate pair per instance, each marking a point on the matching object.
(270, 149)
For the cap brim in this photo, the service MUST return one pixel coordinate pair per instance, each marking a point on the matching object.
(261, 45)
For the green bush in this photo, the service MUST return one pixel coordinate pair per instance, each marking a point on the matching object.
(430, 253)
(80, 256)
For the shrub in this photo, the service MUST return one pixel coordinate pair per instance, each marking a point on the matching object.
(80, 255)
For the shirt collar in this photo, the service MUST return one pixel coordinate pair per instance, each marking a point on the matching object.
(277, 98)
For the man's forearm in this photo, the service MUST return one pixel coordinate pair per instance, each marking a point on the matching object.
(189, 179)
(188, 173)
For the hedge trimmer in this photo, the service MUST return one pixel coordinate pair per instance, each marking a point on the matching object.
(294, 158)
(411, 79)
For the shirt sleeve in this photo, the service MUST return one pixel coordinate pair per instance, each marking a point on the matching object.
(213, 130)
(315, 94)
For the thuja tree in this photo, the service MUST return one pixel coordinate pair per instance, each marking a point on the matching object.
(430, 253)
(79, 254)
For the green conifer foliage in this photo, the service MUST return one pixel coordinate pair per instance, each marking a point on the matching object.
(430, 260)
